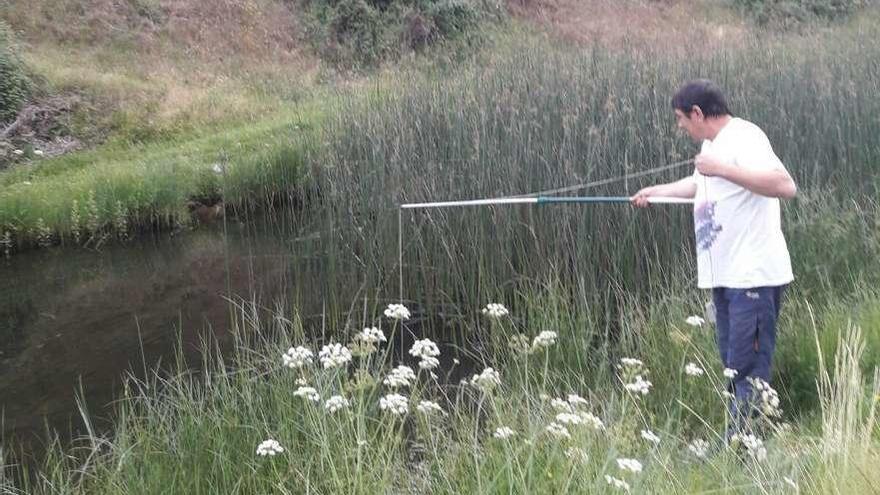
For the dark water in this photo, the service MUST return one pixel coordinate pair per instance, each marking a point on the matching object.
(74, 321)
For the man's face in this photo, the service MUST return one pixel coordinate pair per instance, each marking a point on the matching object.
(692, 124)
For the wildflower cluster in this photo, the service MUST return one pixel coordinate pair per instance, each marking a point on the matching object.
(427, 352)
(495, 310)
(397, 312)
(650, 436)
(699, 448)
(487, 380)
(694, 321)
(308, 393)
(730, 373)
(639, 386)
(631, 374)
(297, 357)
(544, 340)
(427, 407)
(395, 404)
(569, 413)
(559, 431)
(335, 403)
(269, 447)
(334, 355)
(691, 369)
(768, 399)
(617, 483)
(503, 432)
(370, 335)
(754, 445)
(631, 465)
(402, 376)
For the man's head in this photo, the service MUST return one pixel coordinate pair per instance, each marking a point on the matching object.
(700, 109)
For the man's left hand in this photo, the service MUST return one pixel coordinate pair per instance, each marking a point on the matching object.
(709, 165)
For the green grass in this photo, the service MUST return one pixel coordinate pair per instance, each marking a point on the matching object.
(185, 432)
(609, 280)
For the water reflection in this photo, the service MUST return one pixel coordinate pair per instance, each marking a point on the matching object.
(77, 319)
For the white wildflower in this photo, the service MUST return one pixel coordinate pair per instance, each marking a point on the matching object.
(424, 348)
(753, 444)
(693, 370)
(487, 380)
(503, 432)
(593, 421)
(307, 393)
(335, 403)
(631, 465)
(558, 430)
(651, 437)
(455, 361)
(569, 419)
(395, 404)
(544, 339)
(269, 447)
(631, 362)
(18, 152)
(727, 395)
(561, 405)
(38, 152)
(334, 355)
(217, 168)
(362, 443)
(397, 312)
(769, 399)
(495, 310)
(694, 321)
(429, 407)
(699, 448)
(617, 483)
(297, 357)
(302, 382)
(371, 335)
(639, 386)
(402, 376)
(729, 373)
(429, 363)
(576, 400)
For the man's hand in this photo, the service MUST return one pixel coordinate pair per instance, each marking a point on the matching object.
(640, 199)
(710, 166)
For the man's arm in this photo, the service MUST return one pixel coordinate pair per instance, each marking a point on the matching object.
(684, 188)
(773, 183)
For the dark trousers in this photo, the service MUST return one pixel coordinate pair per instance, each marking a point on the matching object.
(746, 333)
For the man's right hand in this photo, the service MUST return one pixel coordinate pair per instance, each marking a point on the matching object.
(640, 198)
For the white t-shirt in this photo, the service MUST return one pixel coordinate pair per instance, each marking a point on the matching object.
(738, 233)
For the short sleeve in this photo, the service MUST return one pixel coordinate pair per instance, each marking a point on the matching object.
(755, 152)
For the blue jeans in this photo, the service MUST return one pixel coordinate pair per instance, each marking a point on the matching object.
(746, 333)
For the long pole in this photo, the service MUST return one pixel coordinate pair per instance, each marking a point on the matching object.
(544, 200)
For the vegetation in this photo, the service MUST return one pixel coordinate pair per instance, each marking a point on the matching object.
(798, 13)
(584, 287)
(13, 79)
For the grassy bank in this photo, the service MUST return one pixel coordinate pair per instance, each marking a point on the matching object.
(610, 283)
(199, 433)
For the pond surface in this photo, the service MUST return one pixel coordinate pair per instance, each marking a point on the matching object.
(75, 321)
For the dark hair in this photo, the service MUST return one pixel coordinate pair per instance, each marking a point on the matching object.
(704, 94)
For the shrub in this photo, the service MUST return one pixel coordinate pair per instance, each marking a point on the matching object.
(790, 13)
(13, 79)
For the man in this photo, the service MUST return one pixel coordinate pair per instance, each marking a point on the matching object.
(741, 252)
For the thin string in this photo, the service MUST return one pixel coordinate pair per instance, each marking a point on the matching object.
(602, 182)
